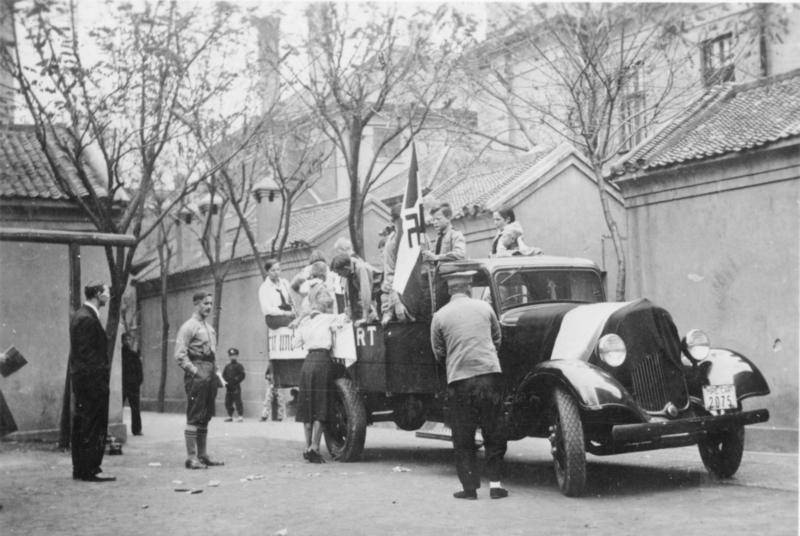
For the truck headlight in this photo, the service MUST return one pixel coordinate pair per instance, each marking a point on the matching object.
(697, 344)
(611, 349)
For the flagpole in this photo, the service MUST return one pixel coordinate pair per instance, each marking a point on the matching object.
(431, 270)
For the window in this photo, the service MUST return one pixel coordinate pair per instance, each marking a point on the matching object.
(633, 126)
(717, 60)
(523, 287)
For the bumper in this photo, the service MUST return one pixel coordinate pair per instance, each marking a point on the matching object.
(693, 426)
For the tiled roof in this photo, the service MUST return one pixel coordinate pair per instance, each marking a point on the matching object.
(727, 118)
(306, 225)
(477, 184)
(25, 172)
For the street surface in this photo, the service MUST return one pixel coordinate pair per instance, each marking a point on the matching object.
(403, 485)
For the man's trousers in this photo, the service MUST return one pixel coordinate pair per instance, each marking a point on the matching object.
(477, 402)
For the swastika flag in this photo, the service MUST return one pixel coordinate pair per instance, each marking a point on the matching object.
(408, 270)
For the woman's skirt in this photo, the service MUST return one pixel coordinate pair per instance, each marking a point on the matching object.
(316, 377)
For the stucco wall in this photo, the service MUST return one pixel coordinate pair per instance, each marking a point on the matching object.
(717, 245)
(34, 317)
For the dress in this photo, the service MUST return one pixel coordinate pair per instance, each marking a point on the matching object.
(89, 369)
(466, 333)
(131, 384)
(317, 375)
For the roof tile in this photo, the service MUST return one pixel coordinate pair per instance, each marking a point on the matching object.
(25, 172)
(725, 119)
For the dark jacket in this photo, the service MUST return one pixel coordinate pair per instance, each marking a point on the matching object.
(233, 374)
(131, 368)
(89, 366)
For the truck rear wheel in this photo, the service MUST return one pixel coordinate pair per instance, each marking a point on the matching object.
(567, 445)
(346, 428)
(722, 451)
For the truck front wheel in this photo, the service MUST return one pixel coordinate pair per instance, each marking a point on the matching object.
(346, 428)
(567, 444)
(722, 451)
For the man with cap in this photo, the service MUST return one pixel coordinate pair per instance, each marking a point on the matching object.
(90, 372)
(233, 374)
(195, 352)
(465, 334)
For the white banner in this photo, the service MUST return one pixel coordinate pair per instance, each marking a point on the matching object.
(279, 344)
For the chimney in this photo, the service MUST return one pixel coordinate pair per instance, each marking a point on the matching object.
(268, 211)
(6, 80)
(268, 56)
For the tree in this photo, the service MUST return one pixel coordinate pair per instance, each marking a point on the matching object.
(598, 75)
(120, 110)
(376, 68)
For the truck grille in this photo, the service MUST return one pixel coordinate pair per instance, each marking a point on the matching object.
(653, 384)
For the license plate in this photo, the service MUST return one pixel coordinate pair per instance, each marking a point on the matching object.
(719, 397)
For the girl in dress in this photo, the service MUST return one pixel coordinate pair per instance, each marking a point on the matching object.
(314, 397)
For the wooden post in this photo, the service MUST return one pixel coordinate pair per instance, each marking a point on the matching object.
(74, 303)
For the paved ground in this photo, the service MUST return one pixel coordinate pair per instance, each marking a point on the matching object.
(402, 486)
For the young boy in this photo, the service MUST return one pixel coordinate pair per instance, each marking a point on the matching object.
(233, 374)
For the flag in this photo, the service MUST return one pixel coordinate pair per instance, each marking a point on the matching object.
(408, 270)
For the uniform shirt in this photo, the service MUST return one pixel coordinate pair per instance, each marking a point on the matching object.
(233, 374)
(195, 339)
(466, 333)
(314, 332)
(269, 296)
(452, 246)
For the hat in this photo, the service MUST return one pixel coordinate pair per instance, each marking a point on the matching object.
(464, 277)
(233, 351)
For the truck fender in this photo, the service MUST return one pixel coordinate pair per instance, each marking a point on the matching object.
(723, 366)
(592, 387)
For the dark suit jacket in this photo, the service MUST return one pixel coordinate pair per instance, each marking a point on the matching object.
(89, 365)
(132, 375)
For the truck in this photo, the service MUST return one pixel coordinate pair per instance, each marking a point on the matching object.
(590, 375)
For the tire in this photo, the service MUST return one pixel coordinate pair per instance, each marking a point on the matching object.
(567, 445)
(410, 412)
(722, 451)
(346, 428)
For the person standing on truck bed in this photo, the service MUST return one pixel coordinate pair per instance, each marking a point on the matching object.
(465, 334)
(358, 278)
(450, 246)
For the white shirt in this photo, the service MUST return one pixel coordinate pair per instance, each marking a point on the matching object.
(269, 296)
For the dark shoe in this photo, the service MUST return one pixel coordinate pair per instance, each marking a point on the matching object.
(99, 478)
(314, 457)
(498, 493)
(137, 433)
(305, 455)
(263, 419)
(469, 494)
(193, 463)
(229, 419)
(205, 460)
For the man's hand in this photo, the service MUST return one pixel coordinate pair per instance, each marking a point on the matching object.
(428, 256)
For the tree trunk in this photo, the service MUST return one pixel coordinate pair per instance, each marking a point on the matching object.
(616, 238)
(219, 281)
(163, 260)
(355, 219)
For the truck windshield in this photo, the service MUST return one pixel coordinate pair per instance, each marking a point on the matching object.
(522, 287)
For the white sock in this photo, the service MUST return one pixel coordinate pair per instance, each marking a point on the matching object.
(495, 485)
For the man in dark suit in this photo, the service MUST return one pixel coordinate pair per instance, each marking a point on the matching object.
(131, 382)
(89, 368)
